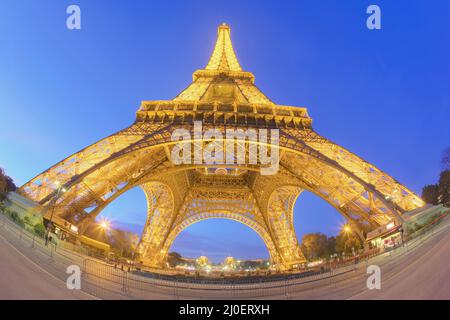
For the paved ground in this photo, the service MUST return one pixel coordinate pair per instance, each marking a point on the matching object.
(424, 274)
(20, 278)
(411, 272)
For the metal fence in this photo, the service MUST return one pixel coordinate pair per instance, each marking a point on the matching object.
(106, 281)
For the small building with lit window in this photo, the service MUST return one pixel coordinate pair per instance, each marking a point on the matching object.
(390, 235)
(385, 237)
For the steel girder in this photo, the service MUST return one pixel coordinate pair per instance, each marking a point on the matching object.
(221, 96)
(358, 194)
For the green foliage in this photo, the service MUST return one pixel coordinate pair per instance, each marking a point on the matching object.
(6, 184)
(431, 219)
(446, 159)
(317, 245)
(26, 219)
(13, 215)
(413, 228)
(440, 193)
(444, 188)
(122, 242)
(345, 242)
(16, 218)
(39, 230)
(430, 194)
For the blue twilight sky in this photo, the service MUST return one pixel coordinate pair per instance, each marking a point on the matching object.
(383, 94)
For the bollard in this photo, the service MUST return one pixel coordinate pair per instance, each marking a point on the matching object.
(51, 253)
(286, 288)
(124, 282)
(84, 274)
(176, 290)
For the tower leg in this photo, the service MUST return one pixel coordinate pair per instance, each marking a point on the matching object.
(277, 205)
(160, 216)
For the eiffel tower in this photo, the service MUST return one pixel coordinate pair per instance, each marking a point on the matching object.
(221, 96)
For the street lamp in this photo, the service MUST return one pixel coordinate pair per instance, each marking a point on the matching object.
(347, 228)
(104, 224)
(60, 189)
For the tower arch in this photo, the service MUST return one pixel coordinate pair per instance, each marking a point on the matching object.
(221, 96)
(255, 226)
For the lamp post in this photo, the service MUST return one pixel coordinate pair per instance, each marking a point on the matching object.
(347, 231)
(401, 235)
(55, 198)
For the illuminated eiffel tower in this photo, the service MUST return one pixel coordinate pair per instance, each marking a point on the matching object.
(221, 96)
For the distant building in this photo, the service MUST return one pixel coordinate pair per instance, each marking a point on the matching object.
(230, 263)
(391, 234)
(202, 261)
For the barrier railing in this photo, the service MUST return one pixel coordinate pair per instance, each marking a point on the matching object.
(108, 281)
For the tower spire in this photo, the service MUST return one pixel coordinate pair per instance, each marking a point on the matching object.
(223, 56)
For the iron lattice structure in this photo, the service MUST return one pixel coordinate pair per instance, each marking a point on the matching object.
(222, 96)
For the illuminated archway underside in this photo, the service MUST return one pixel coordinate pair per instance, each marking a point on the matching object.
(221, 96)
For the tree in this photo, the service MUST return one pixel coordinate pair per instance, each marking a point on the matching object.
(445, 161)
(174, 259)
(430, 194)
(345, 243)
(444, 188)
(39, 230)
(315, 246)
(331, 245)
(6, 182)
(125, 242)
(6, 185)
(346, 240)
